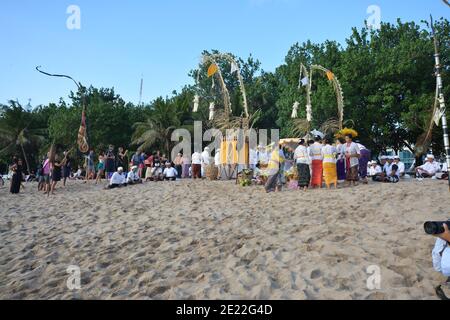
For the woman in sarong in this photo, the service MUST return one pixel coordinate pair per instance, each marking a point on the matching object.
(329, 164)
(315, 152)
(340, 163)
(363, 162)
(303, 161)
(352, 155)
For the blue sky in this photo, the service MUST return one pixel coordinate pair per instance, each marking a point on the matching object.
(163, 39)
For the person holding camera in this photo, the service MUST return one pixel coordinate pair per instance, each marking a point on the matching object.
(441, 257)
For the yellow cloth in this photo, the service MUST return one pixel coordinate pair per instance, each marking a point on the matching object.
(330, 173)
(223, 152)
(275, 160)
(212, 70)
(234, 152)
(330, 75)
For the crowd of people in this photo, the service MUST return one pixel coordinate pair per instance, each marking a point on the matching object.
(313, 164)
(321, 162)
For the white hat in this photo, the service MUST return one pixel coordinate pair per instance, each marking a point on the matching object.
(396, 158)
(383, 157)
(132, 168)
(373, 162)
(120, 169)
(430, 156)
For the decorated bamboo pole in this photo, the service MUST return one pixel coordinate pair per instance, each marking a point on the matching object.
(209, 59)
(440, 94)
(337, 89)
(82, 132)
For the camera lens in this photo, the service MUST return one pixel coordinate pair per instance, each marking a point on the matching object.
(430, 228)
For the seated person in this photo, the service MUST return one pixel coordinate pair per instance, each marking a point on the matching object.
(157, 170)
(170, 173)
(118, 179)
(374, 169)
(79, 174)
(393, 176)
(389, 173)
(443, 175)
(428, 169)
(133, 177)
(401, 167)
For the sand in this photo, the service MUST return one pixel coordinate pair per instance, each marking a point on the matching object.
(216, 240)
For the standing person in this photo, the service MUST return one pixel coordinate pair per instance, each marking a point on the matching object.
(136, 161)
(281, 177)
(329, 164)
(149, 165)
(273, 169)
(178, 162)
(352, 154)
(205, 160)
(363, 162)
(56, 173)
(197, 165)
(90, 166)
(186, 165)
(67, 167)
(340, 163)
(100, 167)
(110, 164)
(122, 159)
(301, 157)
(16, 178)
(315, 152)
(46, 169)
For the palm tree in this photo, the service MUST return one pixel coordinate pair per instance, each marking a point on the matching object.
(157, 128)
(16, 130)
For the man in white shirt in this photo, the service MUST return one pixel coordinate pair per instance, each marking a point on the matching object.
(118, 179)
(133, 177)
(401, 167)
(170, 173)
(196, 165)
(303, 161)
(388, 165)
(428, 169)
(374, 169)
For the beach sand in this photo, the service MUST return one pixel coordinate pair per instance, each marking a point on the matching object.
(217, 240)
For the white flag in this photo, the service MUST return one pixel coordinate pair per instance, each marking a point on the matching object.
(196, 102)
(211, 111)
(234, 67)
(295, 110)
(304, 82)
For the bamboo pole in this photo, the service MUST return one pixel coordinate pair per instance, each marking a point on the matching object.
(441, 96)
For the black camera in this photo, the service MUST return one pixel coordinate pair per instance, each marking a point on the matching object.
(435, 227)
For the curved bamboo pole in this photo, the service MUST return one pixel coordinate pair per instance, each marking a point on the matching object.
(212, 58)
(337, 89)
(209, 59)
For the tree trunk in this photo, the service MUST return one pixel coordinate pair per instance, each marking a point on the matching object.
(25, 158)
